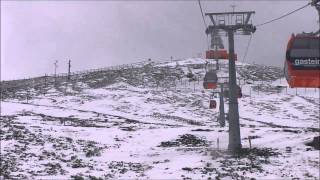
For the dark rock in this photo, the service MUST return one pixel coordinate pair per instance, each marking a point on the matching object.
(315, 143)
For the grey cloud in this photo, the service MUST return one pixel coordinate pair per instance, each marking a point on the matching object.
(104, 33)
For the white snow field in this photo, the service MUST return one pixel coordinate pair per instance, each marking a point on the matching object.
(152, 122)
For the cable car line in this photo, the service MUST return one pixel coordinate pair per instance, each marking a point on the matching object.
(285, 15)
(204, 22)
(247, 49)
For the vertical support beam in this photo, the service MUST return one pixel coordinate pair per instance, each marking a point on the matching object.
(55, 72)
(45, 84)
(222, 120)
(27, 95)
(69, 69)
(231, 28)
(234, 127)
(45, 80)
(217, 60)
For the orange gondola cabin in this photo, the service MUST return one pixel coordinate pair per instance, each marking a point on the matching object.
(210, 80)
(212, 104)
(218, 54)
(302, 65)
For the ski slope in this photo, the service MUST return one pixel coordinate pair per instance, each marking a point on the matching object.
(151, 122)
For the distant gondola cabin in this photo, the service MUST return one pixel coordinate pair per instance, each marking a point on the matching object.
(218, 54)
(210, 80)
(212, 104)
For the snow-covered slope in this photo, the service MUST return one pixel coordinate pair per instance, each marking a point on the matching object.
(154, 122)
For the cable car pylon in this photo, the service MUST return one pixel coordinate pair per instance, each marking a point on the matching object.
(224, 22)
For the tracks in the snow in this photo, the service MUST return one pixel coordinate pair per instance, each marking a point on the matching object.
(97, 114)
(282, 126)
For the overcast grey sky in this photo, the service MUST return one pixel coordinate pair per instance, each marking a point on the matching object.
(103, 33)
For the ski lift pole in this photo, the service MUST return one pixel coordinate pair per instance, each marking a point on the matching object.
(234, 127)
(222, 120)
(69, 70)
(55, 72)
(216, 58)
(230, 27)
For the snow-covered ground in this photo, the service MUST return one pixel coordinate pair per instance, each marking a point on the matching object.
(144, 126)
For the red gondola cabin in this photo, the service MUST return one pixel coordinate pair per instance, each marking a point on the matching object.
(302, 65)
(219, 54)
(210, 80)
(213, 104)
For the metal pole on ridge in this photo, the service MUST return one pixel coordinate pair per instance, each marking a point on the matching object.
(55, 72)
(69, 69)
(222, 120)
